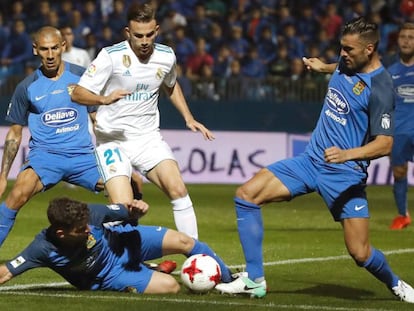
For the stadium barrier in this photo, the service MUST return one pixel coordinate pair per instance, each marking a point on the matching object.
(232, 158)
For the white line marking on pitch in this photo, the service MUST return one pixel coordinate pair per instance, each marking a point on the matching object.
(12, 288)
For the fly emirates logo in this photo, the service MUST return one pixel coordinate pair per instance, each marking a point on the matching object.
(337, 106)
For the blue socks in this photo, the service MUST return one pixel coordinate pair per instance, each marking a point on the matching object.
(400, 189)
(203, 248)
(378, 266)
(250, 228)
(7, 217)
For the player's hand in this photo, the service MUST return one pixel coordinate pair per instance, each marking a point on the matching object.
(314, 64)
(197, 126)
(114, 96)
(137, 208)
(335, 155)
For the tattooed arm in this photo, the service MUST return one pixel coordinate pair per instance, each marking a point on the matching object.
(11, 146)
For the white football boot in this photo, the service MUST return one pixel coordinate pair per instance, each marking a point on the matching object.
(404, 291)
(243, 285)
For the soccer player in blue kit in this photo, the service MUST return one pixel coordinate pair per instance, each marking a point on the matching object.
(61, 147)
(100, 247)
(402, 74)
(355, 125)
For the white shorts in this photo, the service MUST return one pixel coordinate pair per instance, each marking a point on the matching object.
(143, 153)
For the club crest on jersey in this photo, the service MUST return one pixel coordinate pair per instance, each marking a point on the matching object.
(91, 70)
(358, 87)
(90, 242)
(71, 87)
(126, 60)
(159, 75)
(386, 121)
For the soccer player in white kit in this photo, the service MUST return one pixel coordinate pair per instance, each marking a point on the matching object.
(124, 81)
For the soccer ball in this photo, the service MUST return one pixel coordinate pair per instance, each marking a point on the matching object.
(200, 273)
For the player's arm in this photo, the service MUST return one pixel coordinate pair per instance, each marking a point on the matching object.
(380, 146)
(315, 64)
(11, 147)
(5, 274)
(83, 96)
(176, 96)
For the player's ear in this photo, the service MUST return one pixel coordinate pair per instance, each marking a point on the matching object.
(34, 49)
(126, 31)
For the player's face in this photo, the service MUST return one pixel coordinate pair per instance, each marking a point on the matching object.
(49, 48)
(355, 52)
(77, 237)
(141, 37)
(406, 42)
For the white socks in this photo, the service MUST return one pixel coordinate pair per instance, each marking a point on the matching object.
(184, 216)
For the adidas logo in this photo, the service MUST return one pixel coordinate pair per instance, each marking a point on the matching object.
(126, 73)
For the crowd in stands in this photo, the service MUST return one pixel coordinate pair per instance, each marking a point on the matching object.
(212, 38)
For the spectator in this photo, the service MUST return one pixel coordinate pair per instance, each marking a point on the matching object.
(252, 66)
(116, 21)
(293, 43)
(200, 23)
(280, 66)
(206, 87)
(238, 44)
(18, 49)
(222, 62)
(307, 24)
(266, 45)
(38, 16)
(331, 21)
(91, 16)
(80, 28)
(216, 39)
(185, 83)
(197, 60)
(184, 46)
(171, 22)
(73, 54)
(53, 19)
(92, 45)
(65, 11)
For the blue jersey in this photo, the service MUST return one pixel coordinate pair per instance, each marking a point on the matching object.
(356, 108)
(85, 268)
(403, 79)
(56, 124)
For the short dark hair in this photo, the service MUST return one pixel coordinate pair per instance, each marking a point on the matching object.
(65, 213)
(140, 12)
(367, 30)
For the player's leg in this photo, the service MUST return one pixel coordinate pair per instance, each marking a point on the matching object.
(264, 187)
(373, 260)
(166, 175)
(295, 176)
(401, 153)
(26, 186)
(175, 242)
(162, 283)
(115, 168)
(400, 187)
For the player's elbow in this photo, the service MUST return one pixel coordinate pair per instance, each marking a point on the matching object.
(384, 146)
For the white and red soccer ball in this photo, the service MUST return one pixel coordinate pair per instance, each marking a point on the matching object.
(200, 273)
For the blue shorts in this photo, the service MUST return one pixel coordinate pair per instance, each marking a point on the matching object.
(402, 149)
(342, 188)
(52, 168)
(151, 248)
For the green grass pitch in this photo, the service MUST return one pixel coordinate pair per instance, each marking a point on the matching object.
(307, 267)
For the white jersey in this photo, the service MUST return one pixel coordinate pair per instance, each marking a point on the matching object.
(77, 56)
(117, 67)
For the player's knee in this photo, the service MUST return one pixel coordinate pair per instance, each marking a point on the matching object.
(359, 256)
(185, 242)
